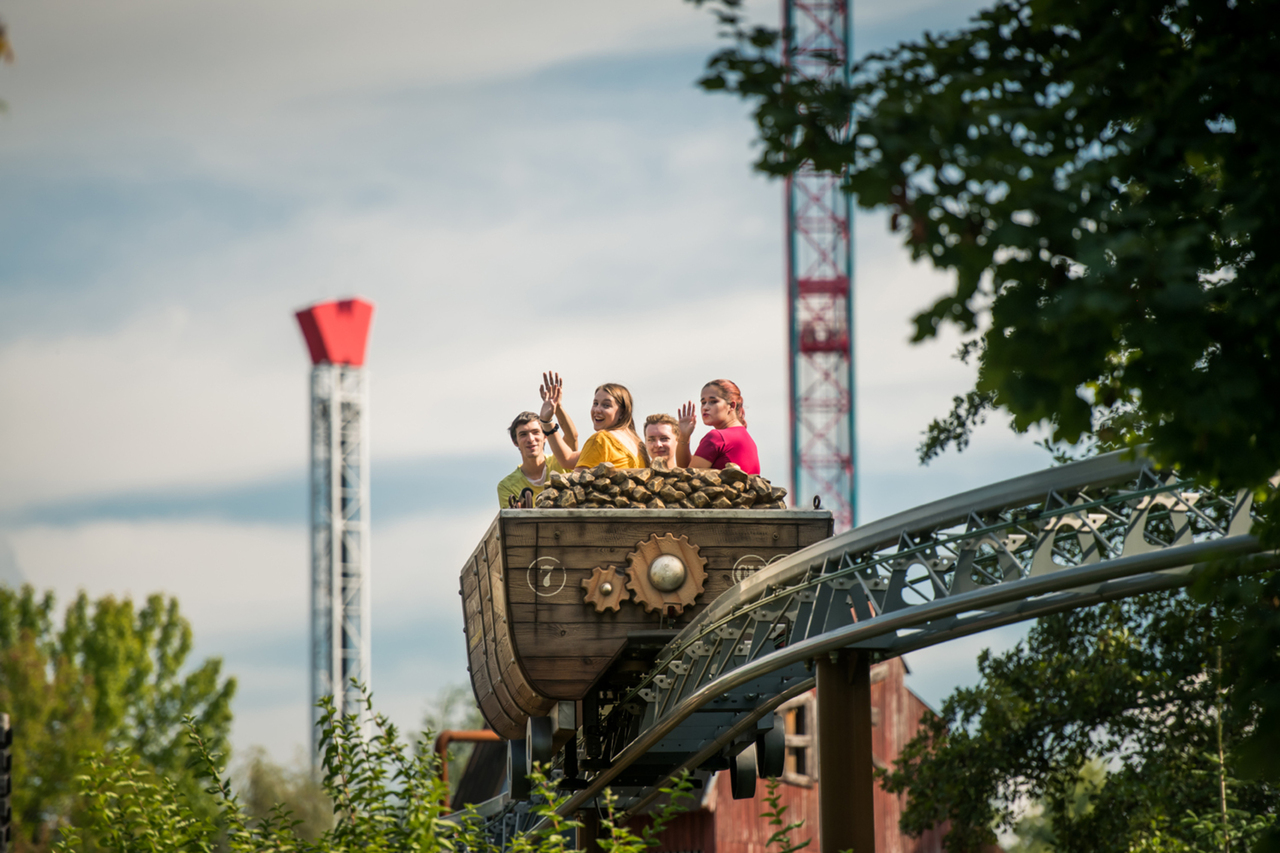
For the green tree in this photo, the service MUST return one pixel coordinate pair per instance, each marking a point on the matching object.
(1100, 182)
(1133, 686)
(267, 785)
(1102, 185)
(108, 677)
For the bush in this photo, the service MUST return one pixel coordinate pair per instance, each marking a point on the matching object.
(386, 797)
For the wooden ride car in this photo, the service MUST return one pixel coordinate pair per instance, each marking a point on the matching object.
(553, 598)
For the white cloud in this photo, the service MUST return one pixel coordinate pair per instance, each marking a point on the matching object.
(221, 68)
(231, 580)
(245, 591)
(201, 170)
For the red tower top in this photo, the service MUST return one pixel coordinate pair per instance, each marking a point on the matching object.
(337, 332)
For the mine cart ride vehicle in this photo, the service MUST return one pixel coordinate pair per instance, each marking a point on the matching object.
(566, 608)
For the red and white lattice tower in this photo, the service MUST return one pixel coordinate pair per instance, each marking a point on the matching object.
(820, 286)
(336, 335)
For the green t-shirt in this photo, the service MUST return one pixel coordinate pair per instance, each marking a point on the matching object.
(516, 482)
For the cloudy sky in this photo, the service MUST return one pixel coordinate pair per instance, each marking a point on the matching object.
(515, 185)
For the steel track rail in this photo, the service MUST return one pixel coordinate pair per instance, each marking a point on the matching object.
(1189, 558)
(1068, 537)
(1099, 471)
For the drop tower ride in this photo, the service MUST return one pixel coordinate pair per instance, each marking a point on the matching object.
(336, 334)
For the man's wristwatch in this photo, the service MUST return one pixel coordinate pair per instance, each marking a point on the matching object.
(548, 429)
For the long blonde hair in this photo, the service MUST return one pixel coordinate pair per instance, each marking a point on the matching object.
(625, 419)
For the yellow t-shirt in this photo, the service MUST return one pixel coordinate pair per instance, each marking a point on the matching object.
(605, 446)
(516, 482)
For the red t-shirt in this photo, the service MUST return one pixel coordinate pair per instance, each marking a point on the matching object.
(731, 444)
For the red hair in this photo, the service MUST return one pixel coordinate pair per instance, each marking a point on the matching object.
(733, 395)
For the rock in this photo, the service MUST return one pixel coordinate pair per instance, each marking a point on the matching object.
(688, 488)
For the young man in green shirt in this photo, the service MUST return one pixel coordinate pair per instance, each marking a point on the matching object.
(529, 434)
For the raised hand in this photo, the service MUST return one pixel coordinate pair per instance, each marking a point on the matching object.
(687, 421)
(551, 390)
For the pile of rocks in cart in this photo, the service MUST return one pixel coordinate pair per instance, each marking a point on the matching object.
(606, 487)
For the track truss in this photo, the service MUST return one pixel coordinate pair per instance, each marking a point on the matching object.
(1060, 539)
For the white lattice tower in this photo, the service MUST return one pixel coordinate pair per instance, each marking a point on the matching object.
(336, 334)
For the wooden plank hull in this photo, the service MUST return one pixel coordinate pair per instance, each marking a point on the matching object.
(531, 638)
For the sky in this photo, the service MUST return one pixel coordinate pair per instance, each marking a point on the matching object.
(516, 186)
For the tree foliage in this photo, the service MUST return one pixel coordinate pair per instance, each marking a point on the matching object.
(1136, 685)
(1101, 182)
(387, 796)
(266, 785)
(109, 677)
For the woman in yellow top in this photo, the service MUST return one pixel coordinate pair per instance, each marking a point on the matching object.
(614, 441)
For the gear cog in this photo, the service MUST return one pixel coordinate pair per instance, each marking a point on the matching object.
(605, 589)
(666, 574)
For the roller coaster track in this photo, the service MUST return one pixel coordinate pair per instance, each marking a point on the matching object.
(1056, 540)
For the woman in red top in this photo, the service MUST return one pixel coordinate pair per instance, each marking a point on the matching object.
(728, 440)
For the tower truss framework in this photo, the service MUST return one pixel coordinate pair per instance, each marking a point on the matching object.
(820, 286)
(341, 618)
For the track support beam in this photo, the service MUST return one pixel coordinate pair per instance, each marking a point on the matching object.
(845, 781)
(589, 832)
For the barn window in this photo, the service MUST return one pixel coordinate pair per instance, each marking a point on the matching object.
(800, 718)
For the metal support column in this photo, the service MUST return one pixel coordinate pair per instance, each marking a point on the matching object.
(819, 247)
(846, 817)
(589, 832)
(340, 600)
